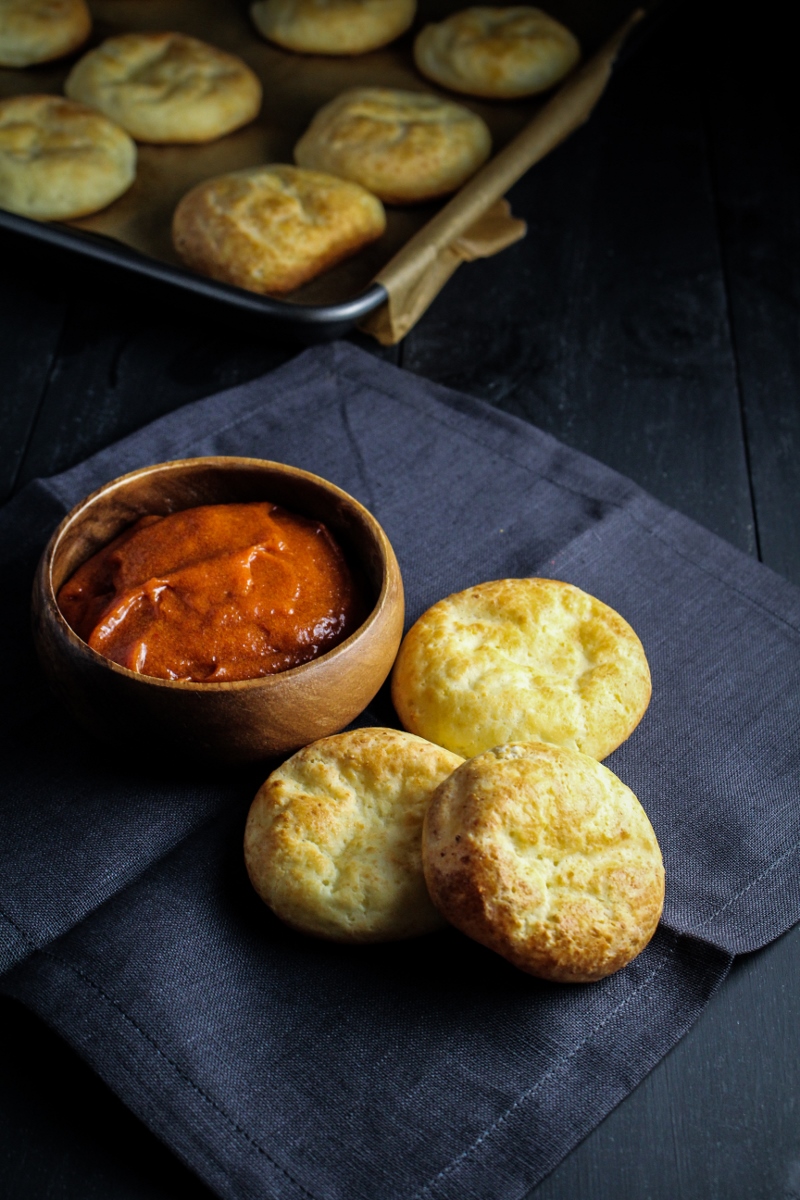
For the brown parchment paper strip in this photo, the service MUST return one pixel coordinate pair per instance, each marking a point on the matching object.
(475, 224)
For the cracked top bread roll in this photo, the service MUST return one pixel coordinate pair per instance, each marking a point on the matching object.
(547, 858)
(403, 146)
(36, 31)
(166, 87)
(521, 660)
(333, 839)
(60, 160)
(270, 229)
(332, 26)
(499, 53)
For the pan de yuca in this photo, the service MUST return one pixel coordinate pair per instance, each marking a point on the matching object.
(60, 160)
(270, 229)
(332, 26)
(521, 660)
(499, 53)
(36, 31)
(547, 858)
(403, 146)
(166, 87)
(333, 839)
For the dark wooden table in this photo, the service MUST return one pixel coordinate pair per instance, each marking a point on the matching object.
(650, 318)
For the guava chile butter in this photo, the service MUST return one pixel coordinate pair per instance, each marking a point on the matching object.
(215, 593)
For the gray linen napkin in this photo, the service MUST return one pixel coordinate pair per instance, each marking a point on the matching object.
(278, 1066)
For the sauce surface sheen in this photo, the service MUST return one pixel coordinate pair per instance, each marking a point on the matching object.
(216, 593)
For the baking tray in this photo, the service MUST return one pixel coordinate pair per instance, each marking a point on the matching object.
(134, 232)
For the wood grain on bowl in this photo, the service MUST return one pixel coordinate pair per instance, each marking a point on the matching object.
(234, 721)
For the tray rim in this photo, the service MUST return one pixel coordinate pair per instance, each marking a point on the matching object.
(314, 321)
(108, 250)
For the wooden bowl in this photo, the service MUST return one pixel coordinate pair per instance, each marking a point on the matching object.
(236, 721)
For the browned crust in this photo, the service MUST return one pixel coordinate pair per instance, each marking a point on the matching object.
(406, 147)
(223, 227)
(497, 52)
(31, 38)
(333, 838)
(521, 660)
(60, 160)
(166, 87)
(334, 27)
(546, 858)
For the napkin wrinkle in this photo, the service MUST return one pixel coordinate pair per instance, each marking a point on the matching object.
(557, 449)
(10, 959)
(358, 454)
(740, 944)
(654, 519)
(659, 529)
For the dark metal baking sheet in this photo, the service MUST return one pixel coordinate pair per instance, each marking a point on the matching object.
(133, 233)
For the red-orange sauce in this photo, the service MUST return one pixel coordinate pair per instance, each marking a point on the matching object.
(216, 593)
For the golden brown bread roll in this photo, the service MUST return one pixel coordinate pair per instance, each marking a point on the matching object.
(500, 53)
(333, 839)
(332, 26)
(60, 160)
(547, 858)
(166, 87)
(270, 229)
(36, 31)
(521, 660)
(403, 146)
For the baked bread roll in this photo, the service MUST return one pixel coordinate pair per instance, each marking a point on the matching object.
(270, 229)
(166, 87)
(60, 160)
(544, 856)
(333, 839)
(403, 146)
(36, 31)
(521, 660)
(332, 26)
(500, 53)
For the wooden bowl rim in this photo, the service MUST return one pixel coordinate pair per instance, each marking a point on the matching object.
(391, 576)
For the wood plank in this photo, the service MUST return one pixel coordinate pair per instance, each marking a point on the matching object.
(757, 173)
(31, 316)
(607, 325)
(131, 351)
(718, 1117)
